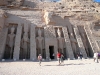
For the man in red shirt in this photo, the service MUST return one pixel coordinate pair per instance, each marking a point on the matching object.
(59, 57)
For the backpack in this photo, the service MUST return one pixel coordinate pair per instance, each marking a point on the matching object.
(63, 58)
(40, 57)
(98, 54)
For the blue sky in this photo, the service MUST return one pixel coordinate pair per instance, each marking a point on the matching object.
(97, 0)
(94, 0)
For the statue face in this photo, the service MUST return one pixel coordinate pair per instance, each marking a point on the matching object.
(25, 34)
(12, 30)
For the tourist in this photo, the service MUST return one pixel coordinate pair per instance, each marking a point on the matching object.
(40, 59)
(81, 55)
(53, 55)
(96, 57)
(62, 58)
(59, 57)
(78, 56)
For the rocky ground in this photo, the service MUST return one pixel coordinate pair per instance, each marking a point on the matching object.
(70, 67)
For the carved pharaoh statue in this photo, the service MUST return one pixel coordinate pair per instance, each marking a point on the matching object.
(39, 41)
(10, 41)
(60, 41)
(25, 44)
(73, 42)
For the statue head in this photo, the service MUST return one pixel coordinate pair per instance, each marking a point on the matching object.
(25, 34)
(12, 30)
(39, 32)
(59, 33)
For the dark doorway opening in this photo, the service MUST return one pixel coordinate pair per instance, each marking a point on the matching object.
(51, 51)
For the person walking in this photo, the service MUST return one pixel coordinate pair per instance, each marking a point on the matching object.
(59, 57)
(62, 58)
(81, 55)
(96, 57)
(40, 59)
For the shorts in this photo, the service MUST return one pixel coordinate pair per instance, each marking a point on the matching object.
(59, 59)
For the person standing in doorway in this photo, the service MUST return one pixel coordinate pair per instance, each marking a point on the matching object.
(40, 59)
(53, 55)
(59, 57)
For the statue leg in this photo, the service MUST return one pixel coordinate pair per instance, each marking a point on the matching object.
(26, 53)
(11, 53)
(41, 52)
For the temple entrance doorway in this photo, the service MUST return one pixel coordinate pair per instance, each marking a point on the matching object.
(51, 51)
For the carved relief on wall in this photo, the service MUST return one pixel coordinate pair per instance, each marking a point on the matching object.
(49, 32)
(10, 42)
(3, 15)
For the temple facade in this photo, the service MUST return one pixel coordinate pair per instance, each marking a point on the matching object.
(32, 27)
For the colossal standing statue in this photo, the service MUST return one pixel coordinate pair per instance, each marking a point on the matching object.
(60, 41)
(25, 44)
(39, 41)
(73, 42)
(10, 41)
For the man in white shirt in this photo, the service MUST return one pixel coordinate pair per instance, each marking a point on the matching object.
(96, 57)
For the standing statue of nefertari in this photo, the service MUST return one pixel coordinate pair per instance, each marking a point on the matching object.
(60, 41)
(73, 43)
(11, 41)
(25, 45)
(40, 42)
